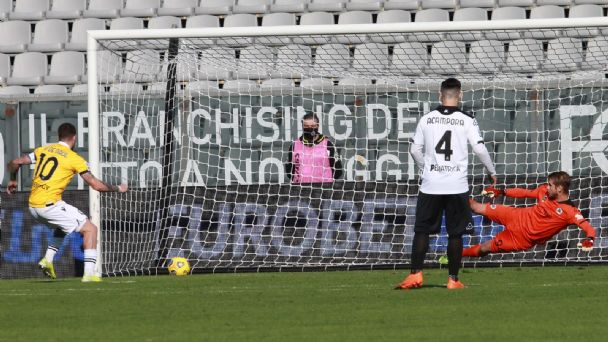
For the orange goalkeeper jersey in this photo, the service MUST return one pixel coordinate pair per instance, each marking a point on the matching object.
(548, 217)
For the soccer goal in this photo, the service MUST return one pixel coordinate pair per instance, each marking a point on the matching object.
(200, 122)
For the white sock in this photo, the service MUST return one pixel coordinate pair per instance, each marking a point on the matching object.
(51, 250)
(90, 258)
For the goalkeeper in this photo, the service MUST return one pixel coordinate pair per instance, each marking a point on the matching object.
(530, 226)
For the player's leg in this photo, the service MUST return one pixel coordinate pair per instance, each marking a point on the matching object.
(458, 222)
(46, 263)
(89, 242)
(429, 209)
(509, 240)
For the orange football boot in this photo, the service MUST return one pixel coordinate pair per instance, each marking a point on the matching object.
(412, 281)
(455, 284)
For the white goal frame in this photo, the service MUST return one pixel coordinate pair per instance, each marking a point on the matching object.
(100, 35)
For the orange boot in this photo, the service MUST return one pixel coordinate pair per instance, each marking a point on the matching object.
(412, 281)
(455, 284)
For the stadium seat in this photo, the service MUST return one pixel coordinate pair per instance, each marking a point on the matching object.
(291, 6)
(67, 67)
(165, 22)
(6, 7)
(281, 84)
(401, 5)
(50, 89)
(127, 23)
(80, 89)
(241, 85)
(364, 5)
(468, 14)
(140, 8)
(553, 2)
(524, 55)
(14, 91)
(252, 6)
(29, 68)
(178, 8)
(370, 59)
(354, 18)
(141, 66)
(78, 41)
(49, 35)
(277, 19)
(217, 63)
(187, 66)
(485, 56)
(159, 87)
(239, 20)
(201, 86)
(595, 2)
(355, 83)
(477, 3)
(515, 3)
(564, 54)
(255, 62)
(507, 13)
(204, 20)
(5, 68)
(29, 10)
(66, 9)
(584, 11)
(448, 57)
(215, 7)
(109, 66)
(315, 18)
(103, 9)
(545, 12)
(331, 58)
(430, 15)
(409, 58)
(327, 5)
(16, 36)
(322, 84)
(596, 54)
(130, 88)
(391, 16)
(447, 4)
(293, 61)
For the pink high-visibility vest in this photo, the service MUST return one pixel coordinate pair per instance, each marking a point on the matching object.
(311, 163)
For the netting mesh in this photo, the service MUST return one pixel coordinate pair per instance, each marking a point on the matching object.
(214, 188)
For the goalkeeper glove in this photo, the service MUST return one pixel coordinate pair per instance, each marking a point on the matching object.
(492, 192)
(586, 245)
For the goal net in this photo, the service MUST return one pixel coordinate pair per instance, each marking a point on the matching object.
(200, 123)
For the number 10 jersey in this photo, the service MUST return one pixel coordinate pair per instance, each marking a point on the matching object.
(444, 133)
(56, 164)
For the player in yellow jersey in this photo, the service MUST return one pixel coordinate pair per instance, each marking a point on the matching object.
(56, 164)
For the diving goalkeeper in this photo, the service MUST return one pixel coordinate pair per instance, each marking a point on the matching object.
(530, 226)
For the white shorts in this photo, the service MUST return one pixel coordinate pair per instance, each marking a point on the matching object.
(60, 215)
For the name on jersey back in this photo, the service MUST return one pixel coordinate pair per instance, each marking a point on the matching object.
(435, 120)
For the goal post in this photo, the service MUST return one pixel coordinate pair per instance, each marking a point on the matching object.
(200, 123)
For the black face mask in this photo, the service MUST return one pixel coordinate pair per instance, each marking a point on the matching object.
(310, 133)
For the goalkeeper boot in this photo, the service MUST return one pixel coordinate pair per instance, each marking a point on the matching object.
(91, 279)
(47, 268)
(412, 281)
(454, 284)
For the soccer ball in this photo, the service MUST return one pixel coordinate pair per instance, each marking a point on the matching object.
(179, 266)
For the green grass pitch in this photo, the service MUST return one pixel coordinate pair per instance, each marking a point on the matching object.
(500, 304)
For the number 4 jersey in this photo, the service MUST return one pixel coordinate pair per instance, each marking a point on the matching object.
(444, 133)
(56, 164)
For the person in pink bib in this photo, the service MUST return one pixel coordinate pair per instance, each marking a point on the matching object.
(312, 157)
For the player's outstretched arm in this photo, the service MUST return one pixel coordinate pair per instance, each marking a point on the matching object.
(587, 244)
(13, 166)
(101, 186)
